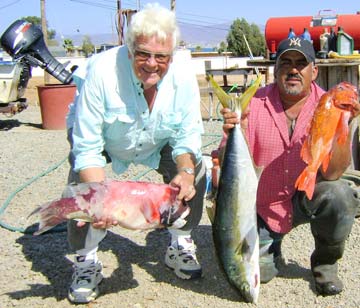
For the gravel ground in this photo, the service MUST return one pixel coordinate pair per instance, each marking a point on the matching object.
(36, 271)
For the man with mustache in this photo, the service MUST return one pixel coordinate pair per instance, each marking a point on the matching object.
(275, 128)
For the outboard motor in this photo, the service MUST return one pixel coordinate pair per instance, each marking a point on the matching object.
(23, 40)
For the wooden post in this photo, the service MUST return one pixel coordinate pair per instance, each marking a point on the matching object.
(120, 24)
(173, 4)
(44, 31)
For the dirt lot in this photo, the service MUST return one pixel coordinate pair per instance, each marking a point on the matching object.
(36, 271)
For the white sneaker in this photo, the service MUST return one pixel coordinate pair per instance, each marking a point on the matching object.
(183, 260)
(86, 278)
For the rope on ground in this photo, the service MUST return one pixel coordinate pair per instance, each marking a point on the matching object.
(13, 194)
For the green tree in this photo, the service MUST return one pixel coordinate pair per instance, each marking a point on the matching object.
(222, 48)
(236, 42)
(68, 46)
(35, 20)
(87, 46)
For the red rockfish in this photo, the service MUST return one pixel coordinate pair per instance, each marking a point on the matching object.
(134, 205)
(329, 125)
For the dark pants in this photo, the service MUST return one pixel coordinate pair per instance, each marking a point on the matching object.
(87, 238)
(331, 215)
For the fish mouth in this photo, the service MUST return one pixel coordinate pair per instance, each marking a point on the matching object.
(174, 216)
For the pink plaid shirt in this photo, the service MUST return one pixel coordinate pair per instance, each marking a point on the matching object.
(276, 153)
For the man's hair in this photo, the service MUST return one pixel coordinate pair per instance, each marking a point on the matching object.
(153, 20)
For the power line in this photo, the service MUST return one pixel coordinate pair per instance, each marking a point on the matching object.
(10, 4)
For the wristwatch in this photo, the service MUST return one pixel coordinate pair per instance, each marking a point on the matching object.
(187, 170)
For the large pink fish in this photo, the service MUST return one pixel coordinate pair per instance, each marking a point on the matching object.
(135, 205)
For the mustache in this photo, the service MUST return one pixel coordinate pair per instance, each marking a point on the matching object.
(291, 76)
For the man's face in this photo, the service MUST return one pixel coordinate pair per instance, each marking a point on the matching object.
(294, 74)
(151, 59)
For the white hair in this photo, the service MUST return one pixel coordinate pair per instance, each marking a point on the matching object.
(153, 20)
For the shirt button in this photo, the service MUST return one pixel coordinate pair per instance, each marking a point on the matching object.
(285, 187)
(144, 128)
(288, 151)
(140, 145)
(286, 171)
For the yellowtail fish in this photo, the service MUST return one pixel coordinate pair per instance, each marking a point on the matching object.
(235, 221)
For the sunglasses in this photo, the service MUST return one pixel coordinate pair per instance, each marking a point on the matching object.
(143, 55)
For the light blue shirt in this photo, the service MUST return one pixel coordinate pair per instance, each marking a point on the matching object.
(112, 114)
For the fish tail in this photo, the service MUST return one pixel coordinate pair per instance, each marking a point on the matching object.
(306, 182)
(54, 213)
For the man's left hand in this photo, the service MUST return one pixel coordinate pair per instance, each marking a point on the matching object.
(185, 182)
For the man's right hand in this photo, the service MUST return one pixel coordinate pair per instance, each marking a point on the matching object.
(231, 118)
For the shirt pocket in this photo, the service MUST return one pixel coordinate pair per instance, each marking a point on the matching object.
(119, 123)
(168, 125)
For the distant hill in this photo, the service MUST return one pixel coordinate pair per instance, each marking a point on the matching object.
(193, 35)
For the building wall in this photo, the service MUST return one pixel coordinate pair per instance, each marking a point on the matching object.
(199, 63)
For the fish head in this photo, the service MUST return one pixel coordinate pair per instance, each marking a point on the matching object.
(174, 211)
(345, 96)
(250, 294)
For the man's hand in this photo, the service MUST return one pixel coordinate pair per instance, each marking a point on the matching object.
(231, 118)
(185, 182)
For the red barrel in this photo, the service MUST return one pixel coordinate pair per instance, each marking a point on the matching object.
(277, 28)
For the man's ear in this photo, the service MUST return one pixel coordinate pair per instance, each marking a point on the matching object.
(315, 72)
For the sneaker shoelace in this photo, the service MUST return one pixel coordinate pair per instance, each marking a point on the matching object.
(85, 273)
(188, 254)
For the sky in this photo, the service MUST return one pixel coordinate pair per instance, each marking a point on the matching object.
(70, 17)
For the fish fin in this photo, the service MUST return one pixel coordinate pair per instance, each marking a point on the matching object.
(241, 102)
(223, 97)
(326, 162)
(305, 152)
(210, 210)
(246, 97)
(343, 128)
(306, 182)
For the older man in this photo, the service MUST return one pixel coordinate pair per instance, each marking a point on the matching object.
(137, 104)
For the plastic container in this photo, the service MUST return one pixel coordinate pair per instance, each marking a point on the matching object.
(291, 33)
(306, 35)
(215, 171)
(54, 104)
(208, 167)
(332, 40)
(344, 43)
(324, 44)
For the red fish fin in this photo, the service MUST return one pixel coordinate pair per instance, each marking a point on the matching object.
(326, 161)
(306, 182)
(54, 213)
(305, 153)
(343, 128)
